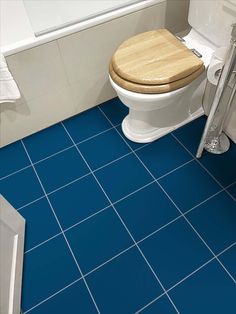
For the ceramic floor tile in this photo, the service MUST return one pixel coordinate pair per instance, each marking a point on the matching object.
(163, 155)
(132, 144)
(40, 223)
(61, 169)
(103, 149)
(175, 252)
(127, 284)
(232, 190)
(12, 158)
(228, 258)
(98, 239)
(21, 188)
(78, 200)
(215, 220)
(210, 290)
(123, 177)
(162, 306)
(115, 110)
(124, 284)
(86, 124)
(146, 211)
(191, 133)
(76, 298)
(47, 142)
(189, 186)
(47, 269)
(222, 166)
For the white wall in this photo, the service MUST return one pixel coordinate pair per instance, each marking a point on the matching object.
(177, 15)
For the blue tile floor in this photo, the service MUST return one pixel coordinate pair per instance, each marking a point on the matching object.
(120, 227)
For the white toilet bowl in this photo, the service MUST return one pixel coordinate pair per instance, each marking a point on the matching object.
(152, 116)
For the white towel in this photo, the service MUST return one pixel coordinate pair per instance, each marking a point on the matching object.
(9, 91)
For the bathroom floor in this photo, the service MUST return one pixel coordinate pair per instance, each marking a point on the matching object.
(120, 227)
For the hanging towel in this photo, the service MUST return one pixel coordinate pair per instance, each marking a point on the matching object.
(9, 91)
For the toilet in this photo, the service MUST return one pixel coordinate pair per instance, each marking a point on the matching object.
(161, 77)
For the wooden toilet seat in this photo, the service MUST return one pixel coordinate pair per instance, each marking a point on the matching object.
(154, 62)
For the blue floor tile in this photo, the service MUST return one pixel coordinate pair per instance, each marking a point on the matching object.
(40, 223)
(115, 110)
(175, 252)
(228, 258)
(215, 220)
(74, 299)
(47, 142)
(77, 201)
(232, 190)
(86, 124)
(123, 177)
(146, 211)
(127, 284)
(222, 166)
(98, 239)
(161, 306)
(189, 186)
(61, 169)
(191, 133)
(12, 158)
(103, 149)
(123, 283)
(21, 188)
(163, 155)
(210, 290)
(47, 269)
(133, 145)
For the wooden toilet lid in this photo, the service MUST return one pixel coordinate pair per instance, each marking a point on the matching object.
(153, 89)
(155, 58)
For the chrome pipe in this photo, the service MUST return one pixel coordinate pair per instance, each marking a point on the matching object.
(213, 140)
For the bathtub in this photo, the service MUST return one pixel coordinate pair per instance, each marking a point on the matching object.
(65, 71)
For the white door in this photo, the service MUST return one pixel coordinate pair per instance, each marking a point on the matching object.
(12, 229)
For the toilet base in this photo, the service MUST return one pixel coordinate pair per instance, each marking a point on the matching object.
(153, 134)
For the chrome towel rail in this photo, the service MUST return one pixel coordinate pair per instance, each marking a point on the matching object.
(213, 139)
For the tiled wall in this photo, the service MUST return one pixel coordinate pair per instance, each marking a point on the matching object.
(64, 77)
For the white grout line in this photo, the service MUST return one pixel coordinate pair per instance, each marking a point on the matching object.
(93, 136)
(41, 243)
(112, 162)
(53, 295)
(53, 211)
(15, 172)
(53, 155)
(109, 260)
(140, 251)
(179, 167)
(69, 183)
(30, 203)
(87, 218)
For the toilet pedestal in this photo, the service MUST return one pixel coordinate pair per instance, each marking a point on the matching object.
(149, 121)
